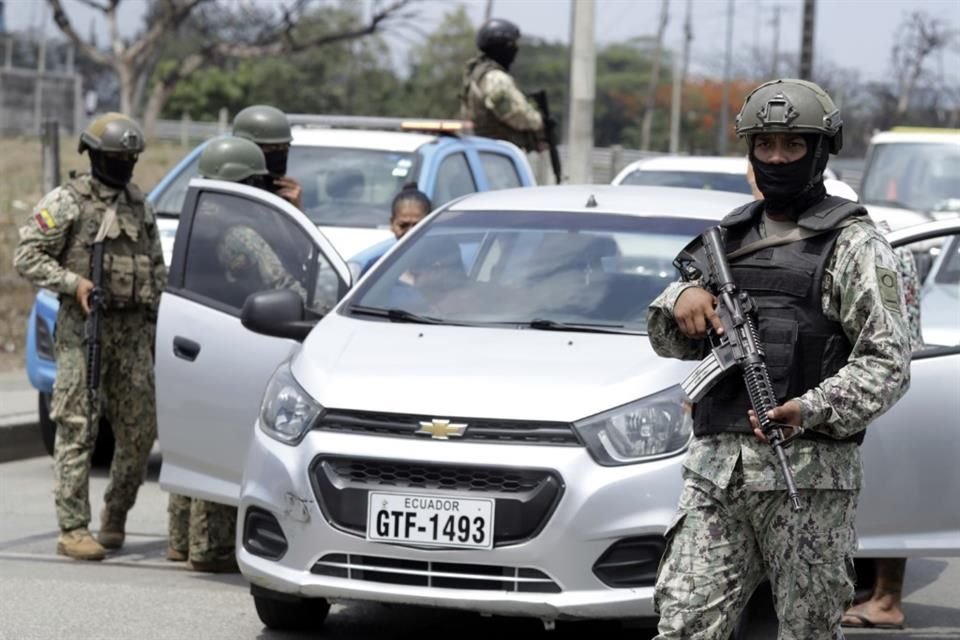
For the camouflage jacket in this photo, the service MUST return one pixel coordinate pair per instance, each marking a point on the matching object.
(54, 247)
(251, 263)
(876, 375)
(491, 100)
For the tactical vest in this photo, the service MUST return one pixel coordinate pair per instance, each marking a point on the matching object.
(485, 122)
(128, 277)
(802, 346)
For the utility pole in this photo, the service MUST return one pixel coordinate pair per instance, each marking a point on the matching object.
(582, 92)
(775, 72)
(806, 39)
(680, 83)
(489, 11)
(654, 78)
(725, 95)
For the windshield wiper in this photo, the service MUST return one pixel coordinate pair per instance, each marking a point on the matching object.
(543, 324)
(394, 315)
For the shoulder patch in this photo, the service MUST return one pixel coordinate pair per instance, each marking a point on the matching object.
(44, 220)
(889, 282)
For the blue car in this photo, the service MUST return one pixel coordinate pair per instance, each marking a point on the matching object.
(349, 169)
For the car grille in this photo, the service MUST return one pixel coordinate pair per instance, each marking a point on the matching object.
(485, 430)
(443, 575)
(525, 498)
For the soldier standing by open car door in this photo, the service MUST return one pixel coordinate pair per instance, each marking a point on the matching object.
(55, 251)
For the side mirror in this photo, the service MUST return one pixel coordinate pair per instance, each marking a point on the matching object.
(278, 313)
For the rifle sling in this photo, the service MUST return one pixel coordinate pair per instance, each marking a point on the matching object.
(795, 234)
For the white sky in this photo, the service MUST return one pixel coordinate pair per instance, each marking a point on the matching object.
(850, 33)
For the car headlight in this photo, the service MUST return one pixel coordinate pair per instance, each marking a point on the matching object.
(653, 427)
(287, 411)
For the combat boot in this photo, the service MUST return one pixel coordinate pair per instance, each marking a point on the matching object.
(225, 565)
(111, 534)
(79, 545)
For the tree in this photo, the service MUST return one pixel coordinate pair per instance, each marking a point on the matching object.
(224, 30)
(918, 38)
(436, 75)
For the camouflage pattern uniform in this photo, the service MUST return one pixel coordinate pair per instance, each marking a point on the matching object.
(252, 264)
(54, 252)
(498, 109)
(734, 523)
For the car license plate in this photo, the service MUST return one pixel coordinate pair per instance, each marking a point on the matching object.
(430, 520)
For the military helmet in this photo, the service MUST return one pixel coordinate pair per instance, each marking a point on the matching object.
(231, 158)
(112, 133)
(263, 124)
(791, 105)
(497, 33)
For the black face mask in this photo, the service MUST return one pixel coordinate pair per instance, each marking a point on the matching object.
(794, 187)
(277, 162)
(260, 182)
(114, 170)
(503, 54)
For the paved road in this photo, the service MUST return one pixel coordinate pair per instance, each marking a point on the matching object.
(138, 594)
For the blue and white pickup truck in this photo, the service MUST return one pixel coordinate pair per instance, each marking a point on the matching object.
(350, 168)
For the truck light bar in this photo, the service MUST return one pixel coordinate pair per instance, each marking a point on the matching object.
(425, 125)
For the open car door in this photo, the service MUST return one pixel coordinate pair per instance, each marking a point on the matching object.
(911, 476)
(211, 371)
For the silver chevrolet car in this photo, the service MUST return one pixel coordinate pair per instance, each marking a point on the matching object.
(480, 422)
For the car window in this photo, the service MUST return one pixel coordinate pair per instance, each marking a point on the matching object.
(500, 170)
(349, 187)
(510, 268)
(453, 179)
(938, 265)
(239, 246)
(170, 201)
(690, 179)
(920, 176)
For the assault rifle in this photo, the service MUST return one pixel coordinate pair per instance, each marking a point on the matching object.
(550, 131)
(92, 331)
(738, 346)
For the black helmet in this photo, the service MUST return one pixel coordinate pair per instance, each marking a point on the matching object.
(497, 35)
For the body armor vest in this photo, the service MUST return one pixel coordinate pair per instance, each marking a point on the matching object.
(802, 346)
(128, 277)
(485, 122)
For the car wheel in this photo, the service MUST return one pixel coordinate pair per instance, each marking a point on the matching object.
(289, 613)
(48, 428)
(102, 449)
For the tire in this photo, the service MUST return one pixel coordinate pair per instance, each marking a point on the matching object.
(48, 428)
(289, 613)
(103, 448)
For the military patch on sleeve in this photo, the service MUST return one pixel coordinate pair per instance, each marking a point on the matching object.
(44, 220)
(889, 288)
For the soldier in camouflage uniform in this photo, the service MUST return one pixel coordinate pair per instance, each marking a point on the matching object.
(270, 129)
(54, 251)
(201, 531)
(490, 97)
(831, 321)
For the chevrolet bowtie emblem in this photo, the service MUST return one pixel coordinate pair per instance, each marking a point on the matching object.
(442, 429)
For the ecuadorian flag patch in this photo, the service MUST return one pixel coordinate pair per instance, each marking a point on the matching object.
(44, 220)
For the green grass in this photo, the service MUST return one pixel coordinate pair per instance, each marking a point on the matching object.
(20, 190)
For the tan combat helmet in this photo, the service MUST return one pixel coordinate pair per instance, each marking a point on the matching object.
(794, 106)
(112, 133)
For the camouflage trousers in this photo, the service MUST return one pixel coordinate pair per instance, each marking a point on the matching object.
(127, 399)
(723, 542)
(204, 531)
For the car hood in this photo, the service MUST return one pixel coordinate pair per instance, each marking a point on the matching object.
(520, 374)
(349, 241)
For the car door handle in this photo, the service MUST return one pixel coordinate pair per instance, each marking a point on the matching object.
(186, 349)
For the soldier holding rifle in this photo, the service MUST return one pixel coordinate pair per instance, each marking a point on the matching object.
(105, 327)
(824, 297)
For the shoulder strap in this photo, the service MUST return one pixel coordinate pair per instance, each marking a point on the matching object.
(797, 233)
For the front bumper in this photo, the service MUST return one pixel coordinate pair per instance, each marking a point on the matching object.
(598, 507)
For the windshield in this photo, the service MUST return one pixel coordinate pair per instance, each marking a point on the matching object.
(919, 176)
(690, 179)
(528, 269)
(341, 187)
(349, 187)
